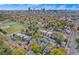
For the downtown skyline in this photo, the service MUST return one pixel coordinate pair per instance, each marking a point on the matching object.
(39, 6)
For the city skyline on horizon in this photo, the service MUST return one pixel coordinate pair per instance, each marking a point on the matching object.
(39, 6)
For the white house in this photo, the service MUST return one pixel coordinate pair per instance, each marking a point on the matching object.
(24, 36)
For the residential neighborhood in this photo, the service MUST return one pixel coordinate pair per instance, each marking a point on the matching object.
(39, 32)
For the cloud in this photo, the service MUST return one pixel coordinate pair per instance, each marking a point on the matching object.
(75, 8)
(49, 7)
(32, 5)
(62, 7)
(39, 6)
(66, 7)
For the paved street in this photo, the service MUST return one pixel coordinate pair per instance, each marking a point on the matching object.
(73, 45)
(72, 50)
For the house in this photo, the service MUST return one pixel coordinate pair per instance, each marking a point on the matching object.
(38, 41)
(66, 31)
(43, 45)
(46, 51)
(45, 32)
(29, 52)
(63, 44)
(24, 37)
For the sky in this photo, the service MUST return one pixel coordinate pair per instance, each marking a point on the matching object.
(39, 6)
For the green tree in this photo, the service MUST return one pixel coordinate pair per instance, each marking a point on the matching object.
(18, 51)
(5, 51)
(56, 51)
(31, 33)
(35, 48)
(77, 40)
(78, 28)
(58, 38)
(4, 48)
(33, 24)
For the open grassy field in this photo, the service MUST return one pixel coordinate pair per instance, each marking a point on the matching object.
(13, 27)
(4, 21)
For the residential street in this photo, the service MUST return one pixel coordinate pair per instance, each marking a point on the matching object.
(72, 50)
(73, 45)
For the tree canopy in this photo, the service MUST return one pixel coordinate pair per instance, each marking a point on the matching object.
(56, 51)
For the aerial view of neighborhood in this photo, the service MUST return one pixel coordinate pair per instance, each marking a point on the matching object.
(39, 29)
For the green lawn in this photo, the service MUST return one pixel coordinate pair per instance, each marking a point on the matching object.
(4, 21)
(15, 28)
(7, 22)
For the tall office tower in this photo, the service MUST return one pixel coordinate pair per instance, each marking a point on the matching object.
(29, 9)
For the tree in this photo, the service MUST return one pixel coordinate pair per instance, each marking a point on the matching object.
(77, 40)
(4, 32)
(58, 38)
(4, 48)
(50, 21)
(35, 48)
(78, 28)
(18, 51)
(5, 51)
(7, 48)
(56, 51)
(31, 33)
(33, 24)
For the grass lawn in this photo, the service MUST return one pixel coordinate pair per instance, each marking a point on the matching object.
(4, 21)
(15, 28)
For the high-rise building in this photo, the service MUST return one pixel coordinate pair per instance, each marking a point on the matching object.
(43, 9)
(29, 9)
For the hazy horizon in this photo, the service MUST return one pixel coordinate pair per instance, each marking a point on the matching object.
(39, 6)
